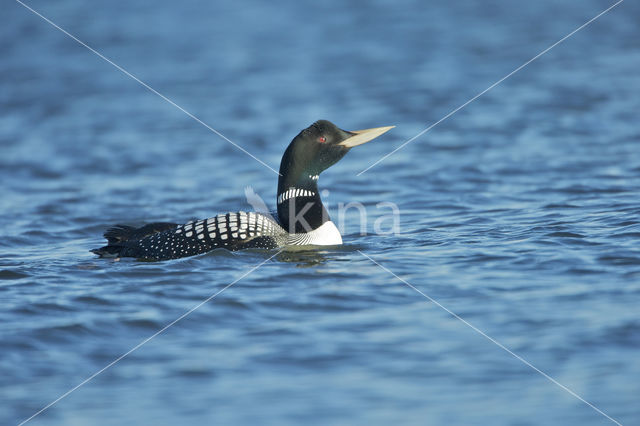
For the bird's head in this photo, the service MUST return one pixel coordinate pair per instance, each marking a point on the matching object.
(321, 145)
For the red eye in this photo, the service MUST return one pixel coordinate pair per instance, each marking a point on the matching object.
(322, 139)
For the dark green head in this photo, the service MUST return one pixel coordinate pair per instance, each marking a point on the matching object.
(319, 147)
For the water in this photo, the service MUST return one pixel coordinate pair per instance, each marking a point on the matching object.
(519, 213)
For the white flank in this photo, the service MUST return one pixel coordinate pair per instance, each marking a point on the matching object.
(325, 235)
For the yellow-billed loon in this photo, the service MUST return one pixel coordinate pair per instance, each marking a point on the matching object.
(302, 219)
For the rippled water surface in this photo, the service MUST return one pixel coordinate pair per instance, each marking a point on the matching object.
(520, 213)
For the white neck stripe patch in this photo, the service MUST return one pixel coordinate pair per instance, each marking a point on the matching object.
(294, 192)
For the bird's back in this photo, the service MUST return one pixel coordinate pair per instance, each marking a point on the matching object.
(160, 241)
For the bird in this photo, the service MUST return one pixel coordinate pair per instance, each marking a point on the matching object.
(302, 219)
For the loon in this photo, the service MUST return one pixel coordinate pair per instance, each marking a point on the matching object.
(302, 218)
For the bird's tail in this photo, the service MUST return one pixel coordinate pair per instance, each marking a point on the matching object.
(118, 236)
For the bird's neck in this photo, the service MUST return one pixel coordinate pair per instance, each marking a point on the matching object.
(299, 206)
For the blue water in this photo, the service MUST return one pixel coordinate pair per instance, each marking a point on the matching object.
(520, 213)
